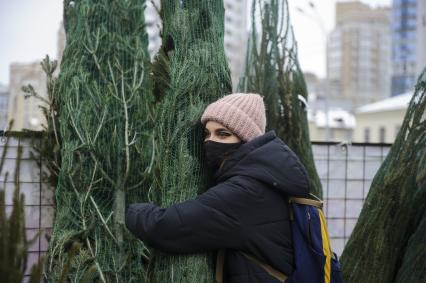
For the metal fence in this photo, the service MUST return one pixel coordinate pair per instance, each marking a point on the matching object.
(39, 206)
(346, 172)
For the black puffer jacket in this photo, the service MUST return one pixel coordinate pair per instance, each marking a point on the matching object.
(246, 211)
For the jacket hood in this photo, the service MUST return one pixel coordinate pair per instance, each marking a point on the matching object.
(268, 159)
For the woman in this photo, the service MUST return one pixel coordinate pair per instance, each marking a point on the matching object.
(246, 212)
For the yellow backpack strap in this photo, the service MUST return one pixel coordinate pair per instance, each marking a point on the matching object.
(306, 201)
(272, 271)
(220, 262)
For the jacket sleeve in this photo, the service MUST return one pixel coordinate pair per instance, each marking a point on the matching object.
(205, 223)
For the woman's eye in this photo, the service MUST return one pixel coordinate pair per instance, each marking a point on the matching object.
(224, 134)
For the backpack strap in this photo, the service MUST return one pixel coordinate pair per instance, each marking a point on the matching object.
(306, 201)
(271, 271)
(220, 261)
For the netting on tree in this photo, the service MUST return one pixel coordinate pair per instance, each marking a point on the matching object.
(105, 120)
(131, 132)
(190, 71)
(272, 69)
(388, 241)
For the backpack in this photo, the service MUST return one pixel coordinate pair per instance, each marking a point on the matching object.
(313, 258)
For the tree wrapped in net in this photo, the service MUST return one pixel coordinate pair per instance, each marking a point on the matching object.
(388, 241)
(272, 69)
(190, 71)
(105, 123)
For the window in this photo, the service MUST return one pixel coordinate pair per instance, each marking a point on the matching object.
(367, 134)
(382, 134)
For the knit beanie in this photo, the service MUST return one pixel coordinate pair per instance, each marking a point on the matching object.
(242, 113)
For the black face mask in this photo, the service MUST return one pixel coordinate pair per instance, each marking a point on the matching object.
(216, 152)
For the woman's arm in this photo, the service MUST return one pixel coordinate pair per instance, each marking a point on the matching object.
(205, 223)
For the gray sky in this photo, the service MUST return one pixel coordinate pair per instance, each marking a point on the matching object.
(28, 31)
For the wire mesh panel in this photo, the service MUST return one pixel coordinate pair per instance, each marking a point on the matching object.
(346, 172)
(38, 194)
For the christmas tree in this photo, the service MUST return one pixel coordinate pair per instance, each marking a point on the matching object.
(272, 69)
(105, 124)
(388, 241)
(190, 72)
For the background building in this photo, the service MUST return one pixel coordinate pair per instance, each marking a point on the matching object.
(4, 98)
(334, 124)
(60, 44)
(26, 112)
(421, 36)
(380, 122)
(404, 22)
(328, 120)
(358, 54)
(324, 94)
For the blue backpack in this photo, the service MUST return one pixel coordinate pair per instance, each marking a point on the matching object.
(314, 260)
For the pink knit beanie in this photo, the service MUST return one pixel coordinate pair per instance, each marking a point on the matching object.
(242, 113)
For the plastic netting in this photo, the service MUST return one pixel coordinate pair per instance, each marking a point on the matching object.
(272, 69)
(388, 241)
(190, 71)
(105, 119)
(130, 133)
(130, 130)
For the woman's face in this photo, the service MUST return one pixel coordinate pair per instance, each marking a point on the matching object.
(215, 131)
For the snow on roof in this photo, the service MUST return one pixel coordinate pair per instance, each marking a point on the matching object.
(337, 118)
(399, 102)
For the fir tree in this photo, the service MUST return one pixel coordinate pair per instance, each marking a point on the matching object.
(104, 130)
(48, 141)
(190, 72)
(388, 241)
(272, 69)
